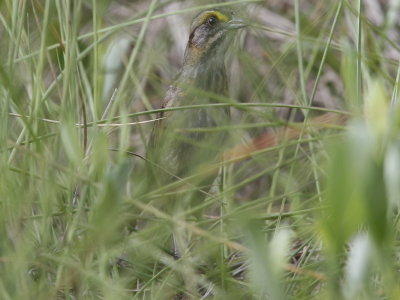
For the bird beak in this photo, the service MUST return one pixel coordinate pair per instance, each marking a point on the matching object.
(236, 23)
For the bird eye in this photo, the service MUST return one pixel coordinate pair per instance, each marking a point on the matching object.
(212, 21)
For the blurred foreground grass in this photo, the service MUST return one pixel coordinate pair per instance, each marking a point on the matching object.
(314, 217)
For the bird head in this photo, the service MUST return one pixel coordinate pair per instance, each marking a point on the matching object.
(210, 36)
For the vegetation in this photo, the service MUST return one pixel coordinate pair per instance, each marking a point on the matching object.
(312, 216)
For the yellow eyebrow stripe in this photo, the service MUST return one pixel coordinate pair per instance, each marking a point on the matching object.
(220, 16)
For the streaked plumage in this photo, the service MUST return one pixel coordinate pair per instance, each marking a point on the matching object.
(175, 144)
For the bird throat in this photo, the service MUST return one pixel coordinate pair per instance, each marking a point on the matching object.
(208, 75)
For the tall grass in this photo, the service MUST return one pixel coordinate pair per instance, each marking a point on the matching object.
(311, 217)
